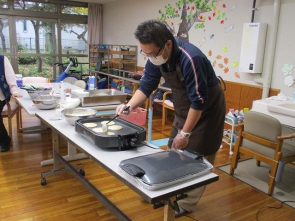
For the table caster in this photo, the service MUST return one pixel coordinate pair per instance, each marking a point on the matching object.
(43, 182)
(82, 172)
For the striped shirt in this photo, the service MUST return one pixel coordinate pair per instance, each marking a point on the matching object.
(196, 69)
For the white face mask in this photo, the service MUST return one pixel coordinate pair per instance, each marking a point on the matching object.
(159, 60)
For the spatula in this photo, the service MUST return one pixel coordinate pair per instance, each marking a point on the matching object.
(105, 127)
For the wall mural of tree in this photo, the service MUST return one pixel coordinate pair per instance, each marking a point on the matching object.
(188, 14)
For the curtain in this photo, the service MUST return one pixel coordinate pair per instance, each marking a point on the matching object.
(94, 24)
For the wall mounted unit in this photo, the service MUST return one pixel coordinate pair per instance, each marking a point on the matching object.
(253, 44)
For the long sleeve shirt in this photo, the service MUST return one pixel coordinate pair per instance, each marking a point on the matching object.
(10, 78)
(196, 69)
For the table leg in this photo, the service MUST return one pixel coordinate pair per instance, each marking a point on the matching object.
(72, 155)
(72, 150)
(169, 212)
(33, 128)
(55, 161)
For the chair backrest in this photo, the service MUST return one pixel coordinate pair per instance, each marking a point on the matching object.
(70, 80)
(261, 126)
(80, 83)
(12, 107)
(9, 111)
(98, 65)
(29, 80)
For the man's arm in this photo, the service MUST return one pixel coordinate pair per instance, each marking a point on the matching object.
(137, 99)
(191, 120)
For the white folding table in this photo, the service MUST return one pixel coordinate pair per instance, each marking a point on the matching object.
(109, 160)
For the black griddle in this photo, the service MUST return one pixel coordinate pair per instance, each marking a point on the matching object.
(129, 137)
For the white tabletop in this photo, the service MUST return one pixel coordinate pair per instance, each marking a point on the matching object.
(110, 160)
(262, 107)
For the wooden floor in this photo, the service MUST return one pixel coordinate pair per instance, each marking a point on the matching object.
(64, 198)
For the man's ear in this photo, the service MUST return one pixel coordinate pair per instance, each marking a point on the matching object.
(169, 44)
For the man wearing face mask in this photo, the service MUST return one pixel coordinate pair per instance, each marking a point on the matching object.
(198, 98)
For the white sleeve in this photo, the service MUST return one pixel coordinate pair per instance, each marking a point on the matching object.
(10, 76)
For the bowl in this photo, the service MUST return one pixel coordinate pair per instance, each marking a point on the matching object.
(73, 114)
(38, 92)
(45, 102)
(69, 103)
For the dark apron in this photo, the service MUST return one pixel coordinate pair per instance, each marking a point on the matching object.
(3, 83)
(206, 137)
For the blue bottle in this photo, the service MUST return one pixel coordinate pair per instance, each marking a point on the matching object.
(19, 80)
(91, 83)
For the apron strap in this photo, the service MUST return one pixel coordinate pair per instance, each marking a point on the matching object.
(179, 73)
(222, 83)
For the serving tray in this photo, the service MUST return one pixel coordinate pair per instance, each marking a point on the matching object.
(100, 97)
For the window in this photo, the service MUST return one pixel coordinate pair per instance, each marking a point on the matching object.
(34, 6)
(74, 10)
(25, 29)
(3, 4)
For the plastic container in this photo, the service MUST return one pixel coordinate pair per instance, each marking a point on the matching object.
(91, 83)
(137, 116)
(19, 80)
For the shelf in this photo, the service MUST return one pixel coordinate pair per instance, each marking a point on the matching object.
(117, 60)
(115, 56)
(123, 52)
(229, 139)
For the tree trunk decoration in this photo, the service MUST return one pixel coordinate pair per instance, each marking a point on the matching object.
(186, 13)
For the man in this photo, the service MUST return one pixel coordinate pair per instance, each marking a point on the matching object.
(7, 87)
(198, 98)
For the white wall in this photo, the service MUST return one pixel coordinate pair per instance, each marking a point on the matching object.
(122, 17)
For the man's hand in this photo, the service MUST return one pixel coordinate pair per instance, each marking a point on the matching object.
(180, 142)
(120, 109)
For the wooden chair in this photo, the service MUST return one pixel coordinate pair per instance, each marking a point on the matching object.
(165, 106)
(9, 111)
(80, 83)
(146, 104)
(70, 80)
(260, 137)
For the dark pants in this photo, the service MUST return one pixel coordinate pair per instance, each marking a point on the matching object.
(3, 131)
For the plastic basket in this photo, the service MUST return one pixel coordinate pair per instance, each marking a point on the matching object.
(137, 116)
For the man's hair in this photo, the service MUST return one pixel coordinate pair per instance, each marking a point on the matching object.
(153, 31)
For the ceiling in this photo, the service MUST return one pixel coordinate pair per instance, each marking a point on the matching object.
(95, 1)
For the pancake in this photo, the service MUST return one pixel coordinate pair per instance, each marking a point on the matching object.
(109, 124)
(115, 127)
(98, 129)
(110, 133)
(90, 124)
